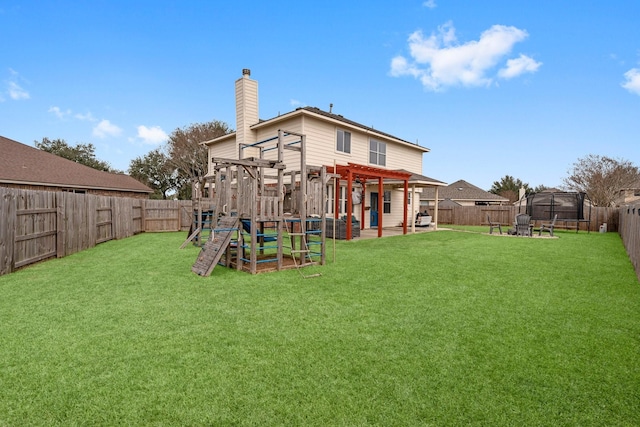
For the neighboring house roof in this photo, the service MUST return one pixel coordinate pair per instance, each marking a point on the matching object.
(26, 165)
(326, 116)
(552, 190)
(448, 203)
(462, 190)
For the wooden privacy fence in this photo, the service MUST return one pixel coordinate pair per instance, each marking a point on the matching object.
(36, 225)
(477, 215)
(630, 232)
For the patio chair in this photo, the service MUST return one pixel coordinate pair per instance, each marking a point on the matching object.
(493, 225)
(548, 227)
(523, 225)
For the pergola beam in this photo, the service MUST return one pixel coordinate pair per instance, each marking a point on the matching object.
(356, 171)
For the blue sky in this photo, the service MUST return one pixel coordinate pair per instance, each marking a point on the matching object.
(493, 88)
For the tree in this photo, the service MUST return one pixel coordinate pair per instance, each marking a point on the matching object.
(154, 170)
(188, 156)
(602, 178)
(540, 188)
(81, 153)
(509, 187)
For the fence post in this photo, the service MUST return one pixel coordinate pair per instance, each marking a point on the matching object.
(7, 230)
(178, 215)
(143, 215)
(114, 228)
(61, 235)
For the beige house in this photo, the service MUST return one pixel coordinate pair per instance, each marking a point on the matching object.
(370, 156)
(628, 196)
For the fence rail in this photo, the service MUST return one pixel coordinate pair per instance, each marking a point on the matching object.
(477, 215)
(36, 225)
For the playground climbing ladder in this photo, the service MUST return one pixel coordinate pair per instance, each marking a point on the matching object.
(304, 253)
(215, 247)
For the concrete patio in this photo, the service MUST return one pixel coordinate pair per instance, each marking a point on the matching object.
(372, 233)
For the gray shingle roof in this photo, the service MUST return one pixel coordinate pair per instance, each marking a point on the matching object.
(23, 164)
(422, 178)
(462, 190)
(326, 114)
(340, 118)
(350, 122)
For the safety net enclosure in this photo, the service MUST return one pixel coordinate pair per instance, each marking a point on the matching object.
(568, 206)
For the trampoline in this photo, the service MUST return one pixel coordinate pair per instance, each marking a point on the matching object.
(572, 208)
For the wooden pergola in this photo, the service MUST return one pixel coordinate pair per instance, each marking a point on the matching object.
(353, 171)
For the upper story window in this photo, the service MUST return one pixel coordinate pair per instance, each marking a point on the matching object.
(343, 141)
(377, 153)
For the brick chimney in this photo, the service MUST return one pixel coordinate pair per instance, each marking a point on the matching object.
(246, 107)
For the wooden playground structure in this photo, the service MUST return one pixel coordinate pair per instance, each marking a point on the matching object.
(263, 216)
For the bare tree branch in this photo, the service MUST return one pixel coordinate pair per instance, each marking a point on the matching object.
(185, 152)
(602, 178)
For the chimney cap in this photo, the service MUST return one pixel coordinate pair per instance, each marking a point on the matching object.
(246, 72)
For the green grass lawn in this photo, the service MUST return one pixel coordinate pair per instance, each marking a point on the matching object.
(445, 328)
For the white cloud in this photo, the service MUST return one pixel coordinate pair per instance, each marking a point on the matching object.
(13, 88)
(16, 92)
(58, 112)
(431, 4)
(63, 114)
(106, 128)
(85, 117)
(439, 61)
(152, 135)
(518, 66)
(633, 81)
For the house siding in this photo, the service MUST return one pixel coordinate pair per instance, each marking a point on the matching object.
(227, 149)
(321, 151)
(393, 218)
(402, 157)
(321, 145)
(246, 91)
(291, 158)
